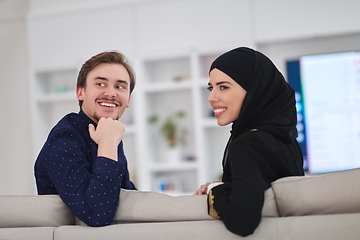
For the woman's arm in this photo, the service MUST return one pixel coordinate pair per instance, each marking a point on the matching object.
(238, 203)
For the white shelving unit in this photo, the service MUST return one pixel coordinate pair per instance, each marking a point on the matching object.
(53, 95)
(168, 84)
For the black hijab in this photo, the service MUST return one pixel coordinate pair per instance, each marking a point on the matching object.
(269, 103)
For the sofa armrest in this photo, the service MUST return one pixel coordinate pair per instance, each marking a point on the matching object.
(34, 211)
(333, 193)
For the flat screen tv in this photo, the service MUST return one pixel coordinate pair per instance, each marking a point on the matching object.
(327, 88)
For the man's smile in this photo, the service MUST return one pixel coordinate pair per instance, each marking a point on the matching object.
(109, 103)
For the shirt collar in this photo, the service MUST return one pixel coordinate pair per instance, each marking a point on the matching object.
(85, 118)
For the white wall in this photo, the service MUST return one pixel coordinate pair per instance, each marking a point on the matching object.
(279, 20)
(16, 163)
(282, 29)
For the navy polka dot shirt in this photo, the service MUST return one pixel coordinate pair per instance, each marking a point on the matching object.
(68, 165)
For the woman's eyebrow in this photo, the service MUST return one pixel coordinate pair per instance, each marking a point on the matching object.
(219, 83)
(223, 82)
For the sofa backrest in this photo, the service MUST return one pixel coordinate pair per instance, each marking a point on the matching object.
(34, 211)
(333, 193)
(140, 206)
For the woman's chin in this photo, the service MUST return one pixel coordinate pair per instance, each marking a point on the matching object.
(222, 123)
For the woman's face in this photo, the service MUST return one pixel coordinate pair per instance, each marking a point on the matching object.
(226, 97)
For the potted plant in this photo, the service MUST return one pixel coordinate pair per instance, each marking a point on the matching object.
(171, 131)
(173, 134)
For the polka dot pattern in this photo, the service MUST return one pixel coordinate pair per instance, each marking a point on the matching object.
(68, 166)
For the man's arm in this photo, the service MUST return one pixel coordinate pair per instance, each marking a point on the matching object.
(90, 190)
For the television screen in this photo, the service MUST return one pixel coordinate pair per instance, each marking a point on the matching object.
(327, 90)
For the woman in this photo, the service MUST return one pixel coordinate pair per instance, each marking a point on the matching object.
(246, 89)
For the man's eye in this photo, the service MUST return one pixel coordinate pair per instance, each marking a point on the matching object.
(100, 84)
(120, 87)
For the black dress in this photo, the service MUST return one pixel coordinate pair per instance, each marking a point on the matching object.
(262, 147)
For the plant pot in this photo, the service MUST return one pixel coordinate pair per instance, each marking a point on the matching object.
(172, 154)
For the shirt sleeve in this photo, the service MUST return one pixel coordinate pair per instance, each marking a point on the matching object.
(238, 203)
(90, 192)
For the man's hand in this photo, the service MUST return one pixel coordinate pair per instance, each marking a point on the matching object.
(108, 136)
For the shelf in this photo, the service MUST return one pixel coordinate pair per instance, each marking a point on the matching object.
(173, 167)
(167, 70)
(168, 86)
(56, 97)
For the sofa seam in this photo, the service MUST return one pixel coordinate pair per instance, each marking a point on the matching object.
(276, 202)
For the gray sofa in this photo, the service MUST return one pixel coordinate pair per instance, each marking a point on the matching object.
(324, 207)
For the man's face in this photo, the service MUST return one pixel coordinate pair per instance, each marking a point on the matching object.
(107, 92)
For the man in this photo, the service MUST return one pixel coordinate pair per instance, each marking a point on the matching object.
(83, 159)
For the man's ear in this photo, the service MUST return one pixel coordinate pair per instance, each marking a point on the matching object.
(80, 93)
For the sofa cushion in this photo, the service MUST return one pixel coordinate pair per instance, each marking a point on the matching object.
(34, 211)
(333, 193)
(158, 230)
(30, 233)
(141, 206)
(334, 226)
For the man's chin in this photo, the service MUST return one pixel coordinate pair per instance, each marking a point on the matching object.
(97, 117)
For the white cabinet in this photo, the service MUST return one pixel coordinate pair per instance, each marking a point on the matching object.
(53, 96)
(168, 85)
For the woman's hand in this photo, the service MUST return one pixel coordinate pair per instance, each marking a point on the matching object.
(202, 189)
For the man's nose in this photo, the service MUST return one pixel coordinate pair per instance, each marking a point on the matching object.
(111, 92)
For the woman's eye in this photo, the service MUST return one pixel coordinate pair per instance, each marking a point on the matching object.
(209, 88)
(223, 87)
(100, 84)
